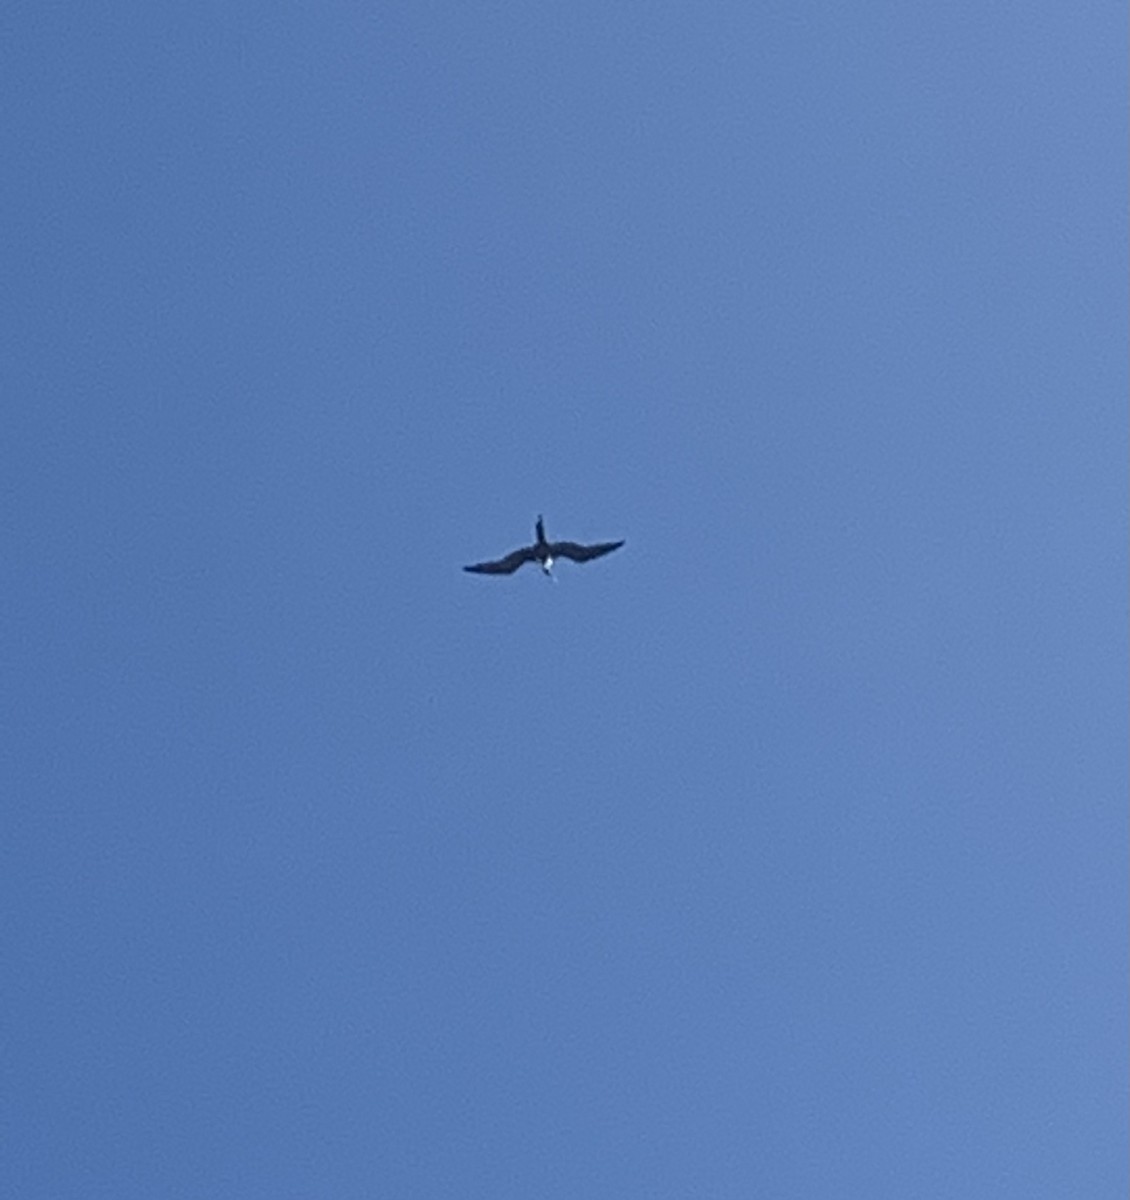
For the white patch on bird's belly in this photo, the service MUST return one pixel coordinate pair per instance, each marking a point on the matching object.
(547, 566)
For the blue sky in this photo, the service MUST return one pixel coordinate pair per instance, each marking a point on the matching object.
(781, 854)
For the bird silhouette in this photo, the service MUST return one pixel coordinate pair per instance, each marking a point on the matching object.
(543, 552)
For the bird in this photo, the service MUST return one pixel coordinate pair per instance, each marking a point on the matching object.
(544, 553)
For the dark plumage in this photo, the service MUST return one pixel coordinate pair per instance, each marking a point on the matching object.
(543, 552)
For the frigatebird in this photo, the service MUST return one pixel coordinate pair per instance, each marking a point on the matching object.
(544, 553)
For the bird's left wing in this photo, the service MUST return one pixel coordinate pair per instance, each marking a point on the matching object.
(504, 566)
(579, 553)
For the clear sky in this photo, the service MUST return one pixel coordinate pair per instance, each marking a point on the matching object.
(781, 853)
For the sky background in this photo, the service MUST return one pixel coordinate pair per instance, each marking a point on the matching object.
(782, 853)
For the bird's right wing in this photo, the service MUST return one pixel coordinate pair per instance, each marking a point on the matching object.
(504, 566)
(579, 553)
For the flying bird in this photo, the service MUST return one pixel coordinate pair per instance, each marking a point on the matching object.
(544, 553)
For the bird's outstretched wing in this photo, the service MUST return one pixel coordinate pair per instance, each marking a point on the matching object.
(579, 553)
(504, 566)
